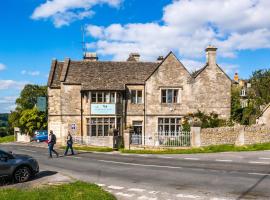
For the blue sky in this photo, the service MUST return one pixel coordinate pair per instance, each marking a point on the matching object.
(33, 32)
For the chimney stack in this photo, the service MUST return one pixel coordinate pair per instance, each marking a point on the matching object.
(90, 56)
(211, 53)
(236, 77)
(134, 57)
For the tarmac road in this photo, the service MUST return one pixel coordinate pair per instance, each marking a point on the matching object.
(237, 175)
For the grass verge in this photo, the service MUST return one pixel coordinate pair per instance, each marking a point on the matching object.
(6, 139)
(72, 191)
(208, 149)
(90, 148)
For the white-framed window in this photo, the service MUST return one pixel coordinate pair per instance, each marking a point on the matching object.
(169, 95)
(244, 104)
(136, 96)
(102, 125)
(243, 92)
(105, 97)
(169, 126)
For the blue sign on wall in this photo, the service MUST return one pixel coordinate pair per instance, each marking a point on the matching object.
(102, 109)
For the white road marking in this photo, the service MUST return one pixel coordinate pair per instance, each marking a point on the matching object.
(188, 196)
(27, 150)
(165, 157)
(218, 160)
(76, 157)
(259, 174)
(124, 194)
(136, 190)
(262, 158)
(142, 155)
(143, 165)
(191, 158)
(255, 162)
(115, 187)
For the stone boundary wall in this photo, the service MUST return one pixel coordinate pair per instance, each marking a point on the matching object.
(238, 135)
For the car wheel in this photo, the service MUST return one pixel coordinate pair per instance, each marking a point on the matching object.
(22, 174)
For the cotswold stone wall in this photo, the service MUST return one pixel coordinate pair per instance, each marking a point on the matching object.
(239, 135)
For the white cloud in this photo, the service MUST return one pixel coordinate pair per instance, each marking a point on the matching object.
(187, 27)
(31, 73)
(2, 66)
(7, 103)
(11, 84)
(63, 12)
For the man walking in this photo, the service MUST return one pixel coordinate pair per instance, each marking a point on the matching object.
(69, 144)
(51, 143)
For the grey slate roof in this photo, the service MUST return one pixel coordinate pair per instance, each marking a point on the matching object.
(100, 75)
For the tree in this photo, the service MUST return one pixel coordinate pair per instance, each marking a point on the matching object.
(31, 120)
(26, 116)
(28, 96)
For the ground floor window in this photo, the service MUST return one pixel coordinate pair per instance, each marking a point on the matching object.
(169, 126)
(101, 126)
(137, 127)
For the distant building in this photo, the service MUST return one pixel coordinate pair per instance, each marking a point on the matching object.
(91, 97)
(244, 86)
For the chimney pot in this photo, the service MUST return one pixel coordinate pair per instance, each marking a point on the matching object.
(90, 56)
(134, 57)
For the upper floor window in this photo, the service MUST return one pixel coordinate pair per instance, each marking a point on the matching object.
(243, 92)
(136, 96)
(169, 96)
(103, 97)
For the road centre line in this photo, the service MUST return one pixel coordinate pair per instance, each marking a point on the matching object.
(165, 157)
(256, 162)
(191, 158)
(262, 158)
(115, 187)
(27, 150)
(219, 160)
(188, 196)
(259, 174)
(136, 164)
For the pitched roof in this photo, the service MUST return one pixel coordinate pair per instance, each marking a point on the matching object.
(196, 73)
(54, 76)
(101, 75)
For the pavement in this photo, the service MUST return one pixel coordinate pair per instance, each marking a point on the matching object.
(224, 176)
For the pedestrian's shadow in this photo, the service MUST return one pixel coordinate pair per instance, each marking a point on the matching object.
(44, 174)
(249, 190)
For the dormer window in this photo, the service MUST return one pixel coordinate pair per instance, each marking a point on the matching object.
(170, 96)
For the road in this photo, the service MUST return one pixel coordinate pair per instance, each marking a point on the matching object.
(224, 176)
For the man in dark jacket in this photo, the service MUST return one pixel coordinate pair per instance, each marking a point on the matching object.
(51, 143)
(69, 144)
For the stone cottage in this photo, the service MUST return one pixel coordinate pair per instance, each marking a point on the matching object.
(92, 97)
(264, 118)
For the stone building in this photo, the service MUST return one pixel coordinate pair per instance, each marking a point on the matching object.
(91, 97)
(264, 118)
(244, 87)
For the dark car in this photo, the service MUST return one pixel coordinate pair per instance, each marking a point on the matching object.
(19, 168)
(40, 136)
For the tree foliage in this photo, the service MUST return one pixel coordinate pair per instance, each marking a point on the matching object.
(26, 116)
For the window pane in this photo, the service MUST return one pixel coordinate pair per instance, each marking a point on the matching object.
(163, 96)
(160, 120)
(107, 97)
(139, 96)
(118, 99)
(167, 120)
(93, 120)
(113, 97)
(94, 97)
(175, 96)
(172, 120)
(166, 129)
(100, 130)
(100, 100)
(94, 130)
(133, 96)
(106, 130)
(88, 129)
(170, 96)
(106, 120)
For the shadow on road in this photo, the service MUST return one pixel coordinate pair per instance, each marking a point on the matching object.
(44, 174)
(249, 190)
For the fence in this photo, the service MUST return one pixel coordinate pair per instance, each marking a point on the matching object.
(164, 139)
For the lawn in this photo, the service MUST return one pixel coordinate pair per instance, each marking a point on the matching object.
(208, 149)
(5, 139)
(73, 191)
(90, 148)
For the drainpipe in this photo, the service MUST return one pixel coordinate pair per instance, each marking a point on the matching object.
(81, 115)
(144, 113)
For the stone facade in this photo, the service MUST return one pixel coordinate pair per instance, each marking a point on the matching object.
(265, 116)
(72, 85)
